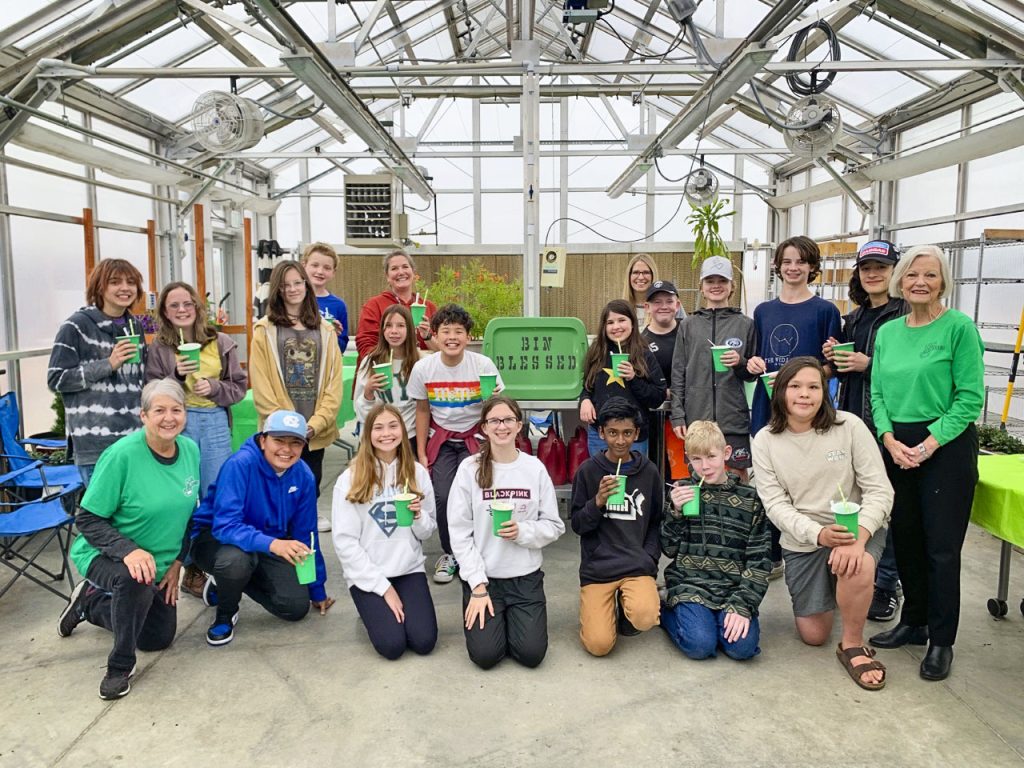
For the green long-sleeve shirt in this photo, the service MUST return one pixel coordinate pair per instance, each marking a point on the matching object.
(936, 371)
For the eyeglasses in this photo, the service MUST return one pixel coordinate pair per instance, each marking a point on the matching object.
(642, 272)
(508, 421)
(296, 284)
(185, 305)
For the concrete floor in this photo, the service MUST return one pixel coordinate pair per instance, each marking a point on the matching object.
(316, 694)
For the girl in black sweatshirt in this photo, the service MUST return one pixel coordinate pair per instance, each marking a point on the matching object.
(638, 380)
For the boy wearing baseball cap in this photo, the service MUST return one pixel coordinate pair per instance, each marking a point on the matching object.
(701, 393)
(869, 290)
(257, 522)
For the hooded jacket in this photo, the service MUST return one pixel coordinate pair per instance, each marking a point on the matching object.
(269, 393)
(700, 392)
(617, 542)
(225, 391)
(645, 392)
(368, 329)
(101, 405)
(249, 506)
(893, 309)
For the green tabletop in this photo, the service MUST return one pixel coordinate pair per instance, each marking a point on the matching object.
(999, 497)
(245, 420)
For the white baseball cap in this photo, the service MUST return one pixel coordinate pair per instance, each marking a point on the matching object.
(716, 265)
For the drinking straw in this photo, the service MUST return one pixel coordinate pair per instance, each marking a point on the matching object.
(617, 467)
(131, 327)
(841, 494)
(620, 347)
(407, 487)
(417, 299)
(312, 545)
(181, 336)
(425, 295)
(392, 360)
(711, 342)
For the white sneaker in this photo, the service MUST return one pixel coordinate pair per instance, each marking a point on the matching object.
(445, 569)
(323, 524)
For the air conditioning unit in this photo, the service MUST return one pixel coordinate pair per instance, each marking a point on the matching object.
(373, 211)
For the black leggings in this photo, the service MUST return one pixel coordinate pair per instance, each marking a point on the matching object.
(929, 522)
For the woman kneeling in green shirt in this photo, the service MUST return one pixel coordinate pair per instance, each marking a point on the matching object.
(133, 522)
(927, 389)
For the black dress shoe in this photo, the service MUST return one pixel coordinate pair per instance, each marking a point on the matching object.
(900, 635)
(936, 663)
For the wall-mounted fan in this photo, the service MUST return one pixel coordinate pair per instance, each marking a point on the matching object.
(224, 122)
(816, 125)
(701, 188)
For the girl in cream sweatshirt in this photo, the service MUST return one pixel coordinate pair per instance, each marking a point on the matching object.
(503, 586)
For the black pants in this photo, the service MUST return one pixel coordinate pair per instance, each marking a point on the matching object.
(442, 474)
(929, 522)
(390, 639)
(315, 461)
(136, 613)
(519, 627)
(266, 578)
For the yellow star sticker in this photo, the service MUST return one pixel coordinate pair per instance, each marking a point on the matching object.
(613, 377)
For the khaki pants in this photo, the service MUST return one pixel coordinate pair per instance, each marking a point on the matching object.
(640, 603)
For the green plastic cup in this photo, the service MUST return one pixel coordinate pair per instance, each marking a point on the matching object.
(488, 381)
(768, 379)
(306, 569)
(501, 513)
(847, 515)
(617, 359)
(619, 496)
(692, 507)
(134, 339)
(418, 312)
(716, 355)
(387, 371)
(191, 351)
(841, 351)
(403, 514)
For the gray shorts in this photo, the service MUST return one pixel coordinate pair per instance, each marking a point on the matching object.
(812, 586)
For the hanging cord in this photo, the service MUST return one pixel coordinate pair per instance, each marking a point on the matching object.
(796, 84)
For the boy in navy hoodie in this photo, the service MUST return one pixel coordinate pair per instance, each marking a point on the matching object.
(256, 524)
(619, 546)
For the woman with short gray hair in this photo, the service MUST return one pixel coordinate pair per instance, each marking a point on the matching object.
(133, 522)
(927, 390)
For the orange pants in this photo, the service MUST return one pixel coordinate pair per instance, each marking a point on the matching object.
(639, 601)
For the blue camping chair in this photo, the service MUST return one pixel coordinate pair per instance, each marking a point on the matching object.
(16, 457)
(27, 526)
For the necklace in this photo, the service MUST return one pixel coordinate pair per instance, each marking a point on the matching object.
(931, 318)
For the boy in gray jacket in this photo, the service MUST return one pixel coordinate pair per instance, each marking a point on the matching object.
(699, 393)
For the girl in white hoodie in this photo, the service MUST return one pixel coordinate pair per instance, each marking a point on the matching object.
(381, 560)
(503, 585)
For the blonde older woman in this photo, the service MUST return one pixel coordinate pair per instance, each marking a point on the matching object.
(927, 389)
(133, 522)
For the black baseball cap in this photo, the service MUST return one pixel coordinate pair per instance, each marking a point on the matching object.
(662, 286)
(878, 250)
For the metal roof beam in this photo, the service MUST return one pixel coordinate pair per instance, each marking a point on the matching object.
(48, 14)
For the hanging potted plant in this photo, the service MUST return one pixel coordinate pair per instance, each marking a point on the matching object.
(705, 223)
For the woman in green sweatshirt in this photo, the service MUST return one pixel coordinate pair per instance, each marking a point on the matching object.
(927, 389)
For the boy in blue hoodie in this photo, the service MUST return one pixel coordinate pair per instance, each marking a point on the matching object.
(252, 529)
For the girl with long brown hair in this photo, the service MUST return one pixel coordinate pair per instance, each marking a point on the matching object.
(639, 379)
(502, 511)
(382, 559)
(396, 345)
(212, 385)
(295, 364)
(806, 461)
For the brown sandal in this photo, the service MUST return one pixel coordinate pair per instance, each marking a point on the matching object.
(846, 659)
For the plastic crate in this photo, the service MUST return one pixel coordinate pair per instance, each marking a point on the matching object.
(540, 358)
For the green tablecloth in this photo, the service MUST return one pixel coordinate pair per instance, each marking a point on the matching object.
(999, 497)
(244, 419)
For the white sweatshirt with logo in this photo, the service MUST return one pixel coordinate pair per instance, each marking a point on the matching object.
(367, 538)
(524, 483)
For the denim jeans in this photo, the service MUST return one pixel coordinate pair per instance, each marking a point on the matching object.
(136, 613)
(595, 444)
(209, 428)
(886, 575)
(699, 632)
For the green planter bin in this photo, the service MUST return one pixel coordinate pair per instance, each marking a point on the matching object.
(539, 358)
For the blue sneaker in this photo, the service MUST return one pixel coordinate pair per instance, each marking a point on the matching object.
(210, 591)
(222, 632)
